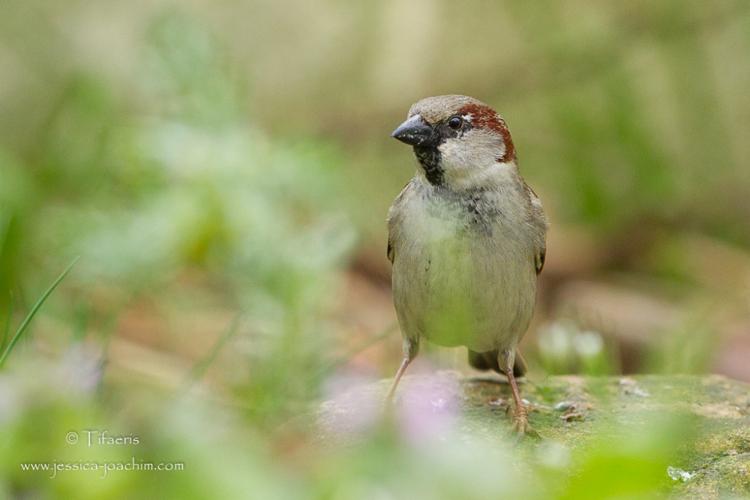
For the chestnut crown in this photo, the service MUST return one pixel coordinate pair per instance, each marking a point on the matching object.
(455, 137)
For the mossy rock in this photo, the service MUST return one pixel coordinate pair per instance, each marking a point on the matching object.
(706, 419)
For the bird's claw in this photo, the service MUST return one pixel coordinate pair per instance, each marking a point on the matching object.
(522, 428)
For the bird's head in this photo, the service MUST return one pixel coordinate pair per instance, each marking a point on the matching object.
(460, 142)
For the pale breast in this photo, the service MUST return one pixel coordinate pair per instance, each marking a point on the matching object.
(463, 272)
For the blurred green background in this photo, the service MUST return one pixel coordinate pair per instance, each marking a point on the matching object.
(223, 169)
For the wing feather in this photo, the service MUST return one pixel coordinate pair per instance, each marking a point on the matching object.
(394, 221)
(539, 222)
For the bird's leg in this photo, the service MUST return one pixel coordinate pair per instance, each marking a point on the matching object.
(401, 369)
(411, 347)
(520, 414)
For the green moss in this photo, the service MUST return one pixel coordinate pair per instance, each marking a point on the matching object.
(697, 427)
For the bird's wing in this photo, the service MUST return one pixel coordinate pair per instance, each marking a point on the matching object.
(538, 222)
(395, 215)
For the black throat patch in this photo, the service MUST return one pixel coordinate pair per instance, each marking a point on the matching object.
(429, 158)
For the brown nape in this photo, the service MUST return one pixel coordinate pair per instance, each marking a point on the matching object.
(484, 116)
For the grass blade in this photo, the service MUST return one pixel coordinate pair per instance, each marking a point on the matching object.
(27, 320)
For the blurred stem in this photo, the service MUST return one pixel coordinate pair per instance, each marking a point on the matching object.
(106, 339)
(366, 345)
(199, 369)
(6, 330)
(27, 320)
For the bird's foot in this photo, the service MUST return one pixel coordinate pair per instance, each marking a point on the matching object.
(521, 426)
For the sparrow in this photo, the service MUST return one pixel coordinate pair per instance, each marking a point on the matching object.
(466, 240)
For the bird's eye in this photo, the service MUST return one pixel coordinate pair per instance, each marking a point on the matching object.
(455, 122)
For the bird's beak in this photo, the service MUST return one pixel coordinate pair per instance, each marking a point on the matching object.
(415, 131)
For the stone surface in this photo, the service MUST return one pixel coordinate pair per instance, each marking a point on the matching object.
(575, 411)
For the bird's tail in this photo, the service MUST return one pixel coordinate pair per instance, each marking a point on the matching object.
(488, 361)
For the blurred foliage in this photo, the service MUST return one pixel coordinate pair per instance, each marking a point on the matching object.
(229, 159)
(563, 348)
